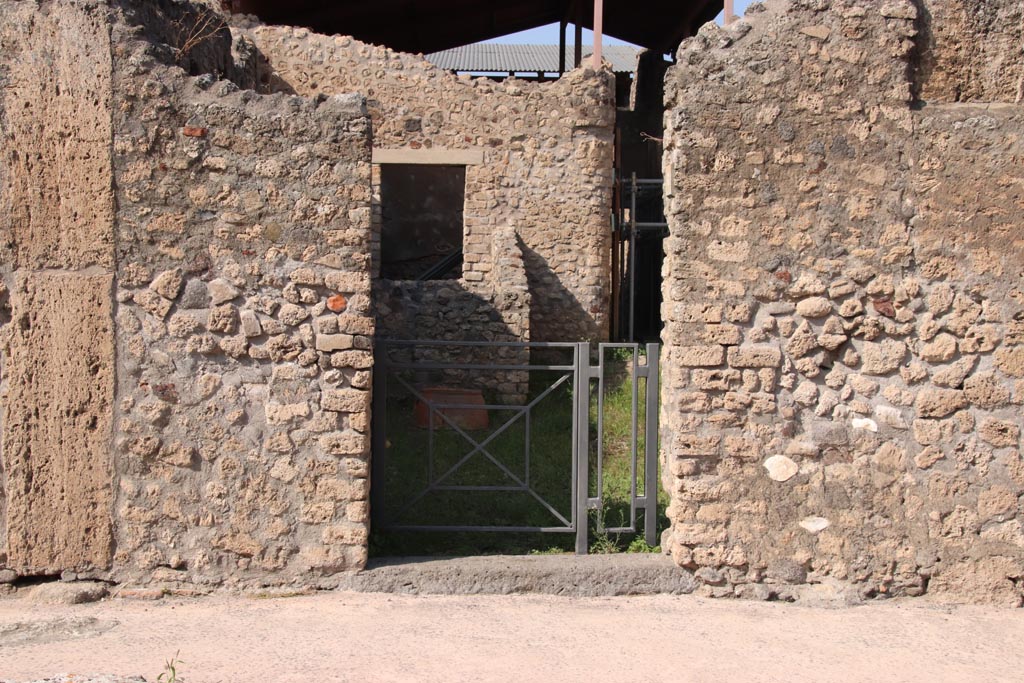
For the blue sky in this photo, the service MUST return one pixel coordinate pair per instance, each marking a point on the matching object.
(548, 35)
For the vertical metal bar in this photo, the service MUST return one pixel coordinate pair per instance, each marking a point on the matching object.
(651, 456)
(378, 450)
(526, 467)
(632, 256)
(635, 386)
(598, 30)
(430, 443)
(562, 25)
(730, 14)
(622, 274)
(600, 435)
(612, 314)
(582, 428)
(575, 435)
(578, 47)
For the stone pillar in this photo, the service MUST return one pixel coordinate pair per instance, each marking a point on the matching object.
(56, 260)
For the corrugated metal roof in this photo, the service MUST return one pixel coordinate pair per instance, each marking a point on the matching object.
(503, 57)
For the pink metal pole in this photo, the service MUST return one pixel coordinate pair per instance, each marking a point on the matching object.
(730, 15)
(598, 28)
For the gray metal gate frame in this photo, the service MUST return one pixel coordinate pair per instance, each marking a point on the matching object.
(583, 375)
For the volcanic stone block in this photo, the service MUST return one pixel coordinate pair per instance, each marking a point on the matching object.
(57, 423)
(57, 194)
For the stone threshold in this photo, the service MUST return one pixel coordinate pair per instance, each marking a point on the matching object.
(568, 575)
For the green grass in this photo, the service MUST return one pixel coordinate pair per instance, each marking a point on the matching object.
(618, 436)
(408, 471)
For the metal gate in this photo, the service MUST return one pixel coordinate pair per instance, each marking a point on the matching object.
(495, 436)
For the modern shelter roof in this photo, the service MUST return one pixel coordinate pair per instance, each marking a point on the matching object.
(429, 26)
(502, 57)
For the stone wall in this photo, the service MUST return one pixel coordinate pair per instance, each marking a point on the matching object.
(547, 160)
(244, 327)
(843, 311)
(495, 309)
(970, 51)
(187, 375)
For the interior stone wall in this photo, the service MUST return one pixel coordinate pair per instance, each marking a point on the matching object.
(496, 309)
(843, 309)
(489, 303)
(546, 171)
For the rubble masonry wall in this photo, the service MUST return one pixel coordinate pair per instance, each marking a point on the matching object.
(546, 171)
(843, 303)
(969, 50)
(245, 326)
(187, 375)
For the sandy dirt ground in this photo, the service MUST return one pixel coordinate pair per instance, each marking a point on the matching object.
(376, 637)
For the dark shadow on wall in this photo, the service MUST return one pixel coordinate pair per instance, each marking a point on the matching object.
(922, 57)
(438, 310)
(555, 312)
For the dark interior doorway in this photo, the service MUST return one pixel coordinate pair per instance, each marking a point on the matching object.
(421, 221)
(639, 227)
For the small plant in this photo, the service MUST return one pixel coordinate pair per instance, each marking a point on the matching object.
(189, 35)
(553, 550)
(639, 545)
(170, 673)
(624, 355)
(603, 544)
(269, 595)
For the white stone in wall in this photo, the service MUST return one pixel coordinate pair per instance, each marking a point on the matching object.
(814, 524)
(221, 291)
(891, 417)
(814, 307)
(250, 323)
(865, 423)
(780, 468)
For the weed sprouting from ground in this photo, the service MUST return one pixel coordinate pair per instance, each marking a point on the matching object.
(603, 544)
(639, 545)
(170, 673)
(553, 550)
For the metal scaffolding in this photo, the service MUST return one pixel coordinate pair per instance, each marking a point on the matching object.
(627, 230)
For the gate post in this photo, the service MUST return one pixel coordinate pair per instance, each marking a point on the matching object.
(651, 451)
(581, 456)
(378, 434)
